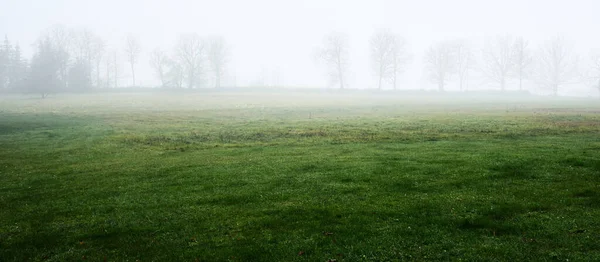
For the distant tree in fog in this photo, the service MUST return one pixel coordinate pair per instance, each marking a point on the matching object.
(159, 61)
(498, 60)
(218, 54)
(440, 63)
(389, 56)
(175, 74)
(5, 51)
(189, 54)
(522, 60)
(381, 53)
(79, 75)
(557, 65)
(99, 51)
(45, 69)
(84, 48)
(17, 70)
(465, 61)
(334, 53)
(113, 66)
(13, 67)
(595, 72)
(400, 58)
(64, 41)
(132, 51)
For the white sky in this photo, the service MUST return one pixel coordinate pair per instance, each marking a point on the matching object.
(268, 36)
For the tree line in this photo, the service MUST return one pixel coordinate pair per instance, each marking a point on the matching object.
(67, 60)
(77, 60)
(552, 66)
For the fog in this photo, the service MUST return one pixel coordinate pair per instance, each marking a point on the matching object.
(273, 42)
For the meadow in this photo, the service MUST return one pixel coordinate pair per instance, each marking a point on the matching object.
(299, 176)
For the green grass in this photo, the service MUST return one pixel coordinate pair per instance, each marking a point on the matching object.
(238, 177)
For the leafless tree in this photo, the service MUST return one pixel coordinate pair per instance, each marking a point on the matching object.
(114, 62)
(334, 54)
(108, 69)
(595, 73)
(218, 54)
(440, 63)
(132, 50)
(522, 59)
(400, 58)
(189, 54)
(389, 55)
(382, 48)
(558, 65)
(498, 60)
(159, 62)
(175, 74)
(83, 46)
(98, 52)
(465, 61)
(63, 40)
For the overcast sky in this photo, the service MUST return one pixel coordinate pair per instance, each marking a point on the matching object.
(278, 37)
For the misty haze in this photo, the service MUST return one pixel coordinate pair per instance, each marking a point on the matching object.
(299, 130)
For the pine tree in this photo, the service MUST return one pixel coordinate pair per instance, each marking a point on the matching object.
(17, 69)
(5, 59)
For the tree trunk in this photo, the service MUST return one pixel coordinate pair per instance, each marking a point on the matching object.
(520, 80)
(218, 79)
(191, 80)
(107, 73)
(394, 80)
(380, 77)
(162, 78)
(340, 74)
(520, 84)
(133, 74)
(116, 69)
(98, 74)
(502, 84)
(441, 85)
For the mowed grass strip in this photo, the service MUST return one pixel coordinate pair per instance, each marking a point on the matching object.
(215, 186)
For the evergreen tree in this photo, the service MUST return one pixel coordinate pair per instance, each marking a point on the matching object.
(17, 69)
(5, 59)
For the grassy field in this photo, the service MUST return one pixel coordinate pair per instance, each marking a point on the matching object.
(298, 177)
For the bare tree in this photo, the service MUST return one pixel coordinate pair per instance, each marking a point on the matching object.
(558, 65)
(522, 59)
(133, 50)
(465, 60)
(159, 62)
(334, 54)
(218, 54)
(595, 72)
(115, 67)
(175, 74)
(440, 63)
(400, 58)
(63, 40)
(83, 46)
(498, 60)
(108, 69)
(382, 47)
(98, 52)
(189, 54)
